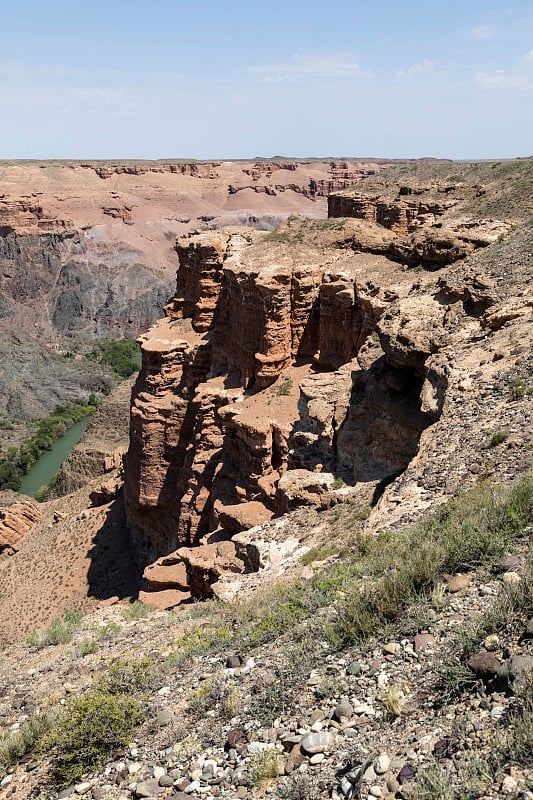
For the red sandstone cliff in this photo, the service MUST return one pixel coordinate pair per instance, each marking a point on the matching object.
(290, 361)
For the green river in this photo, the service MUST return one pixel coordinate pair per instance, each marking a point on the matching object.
(49, 463)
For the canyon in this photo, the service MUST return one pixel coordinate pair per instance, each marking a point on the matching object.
(335, 359)
(319, 488)
(86, 251)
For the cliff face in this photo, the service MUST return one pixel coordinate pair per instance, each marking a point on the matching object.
(311, 366)
(249, 388)
(86, 249)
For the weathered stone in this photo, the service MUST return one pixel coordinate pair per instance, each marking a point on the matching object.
(458, 583)
(317, 742)
(423, 642)
(484, 664)
(148, 788)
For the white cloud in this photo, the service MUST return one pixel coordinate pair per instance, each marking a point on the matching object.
(339, 65)
(423, 69)
(481, 33)
(519, 78)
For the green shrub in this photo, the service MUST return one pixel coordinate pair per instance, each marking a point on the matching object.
(498, 438)
(16, 744)
(60, 630)
(284, 388)
(122, 355)
(137, 610)
(106, 631)
(264, 765)
(91, 728)
(129, 676)
(88, 646)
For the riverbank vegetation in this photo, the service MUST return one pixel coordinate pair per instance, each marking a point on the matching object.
(18, 460)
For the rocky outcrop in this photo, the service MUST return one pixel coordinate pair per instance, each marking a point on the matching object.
(311, 366)
(18, 515)
(399, 215)
(251, 401)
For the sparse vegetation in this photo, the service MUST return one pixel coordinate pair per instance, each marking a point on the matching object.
(498, 438)
(284, 388)
(60, 630)
(129, 676)
(319, 553)
(92, 726)
(472, 530)
(265, 765)
(137, 610)
(16, 744)
(88, 646)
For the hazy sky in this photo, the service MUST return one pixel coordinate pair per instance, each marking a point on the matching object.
(232, 79)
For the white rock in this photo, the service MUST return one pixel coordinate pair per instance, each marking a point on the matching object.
(511, 578)
(382, 764)
(259, 747)
(509, 785)
(375, 791)
(497, 712)
(83, 788)
(159, 772)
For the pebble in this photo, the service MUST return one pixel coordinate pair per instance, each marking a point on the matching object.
(509, 785)
(317, 742)
(163, 718)
(148, 788)
(491, 642)
(391, 648)
(458, 583)
(317, 758)
(484, 664)
(343, 710)
(354, 668)
(346, 787)
(511, 578)
(423, 642)
(193, 786)
(375, 791)
(83, 788)
(382, 764)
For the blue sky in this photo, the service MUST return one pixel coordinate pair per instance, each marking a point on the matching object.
(158, 79)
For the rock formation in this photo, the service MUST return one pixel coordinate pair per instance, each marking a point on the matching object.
(307, 366)
(18, 515)
(86, 248)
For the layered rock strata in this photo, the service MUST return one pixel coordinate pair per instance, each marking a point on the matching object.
(251, 401)
(18, 515)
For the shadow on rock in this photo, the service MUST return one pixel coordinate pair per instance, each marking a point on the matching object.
(113, 571)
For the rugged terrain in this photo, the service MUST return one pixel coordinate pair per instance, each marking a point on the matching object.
(86, 250)
(351, 358)
(312, 399)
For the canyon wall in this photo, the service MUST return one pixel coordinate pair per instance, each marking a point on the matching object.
(311, 366)
(251, 399)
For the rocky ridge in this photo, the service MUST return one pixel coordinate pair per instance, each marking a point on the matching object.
(312, 366)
